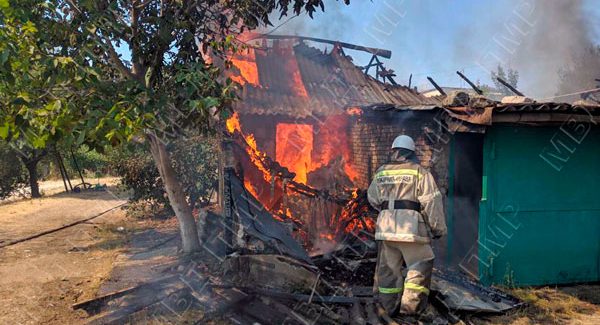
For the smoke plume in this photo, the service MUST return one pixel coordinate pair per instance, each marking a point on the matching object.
(559, 43)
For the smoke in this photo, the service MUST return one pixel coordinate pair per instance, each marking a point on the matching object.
(560, 38)
(320, 26)
(547, 42)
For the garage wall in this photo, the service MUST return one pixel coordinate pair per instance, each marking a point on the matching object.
(540, 212)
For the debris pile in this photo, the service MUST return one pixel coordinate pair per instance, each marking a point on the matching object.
(267, 277)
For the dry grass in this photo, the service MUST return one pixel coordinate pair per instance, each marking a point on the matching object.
(558, 305)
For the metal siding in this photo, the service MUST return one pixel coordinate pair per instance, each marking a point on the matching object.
(538, 224)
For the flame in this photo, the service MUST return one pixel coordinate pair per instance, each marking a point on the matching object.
(328, 236)
(356, 111)
(298, 85)
(246, 64)
(233, 123)
(332, 145)
(351, 172)
(293, 148)
(291, 70)
(256, 156)
(250, 188)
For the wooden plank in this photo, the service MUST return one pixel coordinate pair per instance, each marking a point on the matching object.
(94, 305)
(300, 297)
(141, 299)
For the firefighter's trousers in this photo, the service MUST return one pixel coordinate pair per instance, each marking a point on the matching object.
(399, 288)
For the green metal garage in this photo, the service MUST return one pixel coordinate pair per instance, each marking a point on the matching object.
(529, 184)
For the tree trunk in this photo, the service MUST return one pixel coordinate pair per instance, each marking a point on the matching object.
(30, 160)
(33, 178)
(176, 195)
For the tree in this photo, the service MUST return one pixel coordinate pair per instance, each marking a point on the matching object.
(581, 74)
(12, 176)
(30, 157)
(510, 76)
(38, 87)
(166, 86)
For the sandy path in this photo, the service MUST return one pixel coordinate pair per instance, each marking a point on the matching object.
(41, 278)
(53, 187)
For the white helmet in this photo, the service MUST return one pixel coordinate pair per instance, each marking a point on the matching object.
(404, 141)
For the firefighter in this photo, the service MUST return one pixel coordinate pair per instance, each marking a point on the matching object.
(410, 215)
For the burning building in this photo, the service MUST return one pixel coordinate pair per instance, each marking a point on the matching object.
(300, 108)
(312, 127)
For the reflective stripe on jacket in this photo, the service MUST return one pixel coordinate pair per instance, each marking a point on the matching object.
(406, 181)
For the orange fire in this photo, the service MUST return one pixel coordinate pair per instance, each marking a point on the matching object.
(246, 64)
(351, 172)
(298, 85)
(356, 111)
(333, 145)
(250, 188)
(294, 144)
(233, 124)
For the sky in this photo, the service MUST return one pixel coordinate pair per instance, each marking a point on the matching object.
(438, 37)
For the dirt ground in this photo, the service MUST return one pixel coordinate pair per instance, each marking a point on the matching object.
(42, 277)
(51, 187)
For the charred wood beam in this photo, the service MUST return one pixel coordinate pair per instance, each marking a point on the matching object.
(437, 87)
(510, 87)
(375, 51)
(477, 90)
(94, 305)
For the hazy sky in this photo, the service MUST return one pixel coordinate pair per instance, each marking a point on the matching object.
(437, 37)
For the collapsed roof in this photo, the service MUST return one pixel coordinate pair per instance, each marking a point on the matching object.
(299, 81)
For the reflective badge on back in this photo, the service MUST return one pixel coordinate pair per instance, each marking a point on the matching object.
(395, 179)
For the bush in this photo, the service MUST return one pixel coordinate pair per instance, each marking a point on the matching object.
(88, 161)
(194, 160)
(13, 175)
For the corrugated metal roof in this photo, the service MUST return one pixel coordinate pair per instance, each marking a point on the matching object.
(332, 83)
(486, 115)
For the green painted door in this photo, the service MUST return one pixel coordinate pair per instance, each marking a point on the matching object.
(540, 208)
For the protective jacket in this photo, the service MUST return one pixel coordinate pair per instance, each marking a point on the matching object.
(409, 203)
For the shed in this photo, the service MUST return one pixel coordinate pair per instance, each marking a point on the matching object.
(520, 186)
(538, 213)
(518, 178)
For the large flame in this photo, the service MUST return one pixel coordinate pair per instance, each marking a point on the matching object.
(233, 125)
(245, 62)
(294, 144)
(333, 144)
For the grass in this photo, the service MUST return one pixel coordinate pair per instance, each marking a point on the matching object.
(553, 305)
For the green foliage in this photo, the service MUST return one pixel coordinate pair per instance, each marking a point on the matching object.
(40, 87)
(194, 160)
(138, 173)
(91, 162)
(13, 175)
